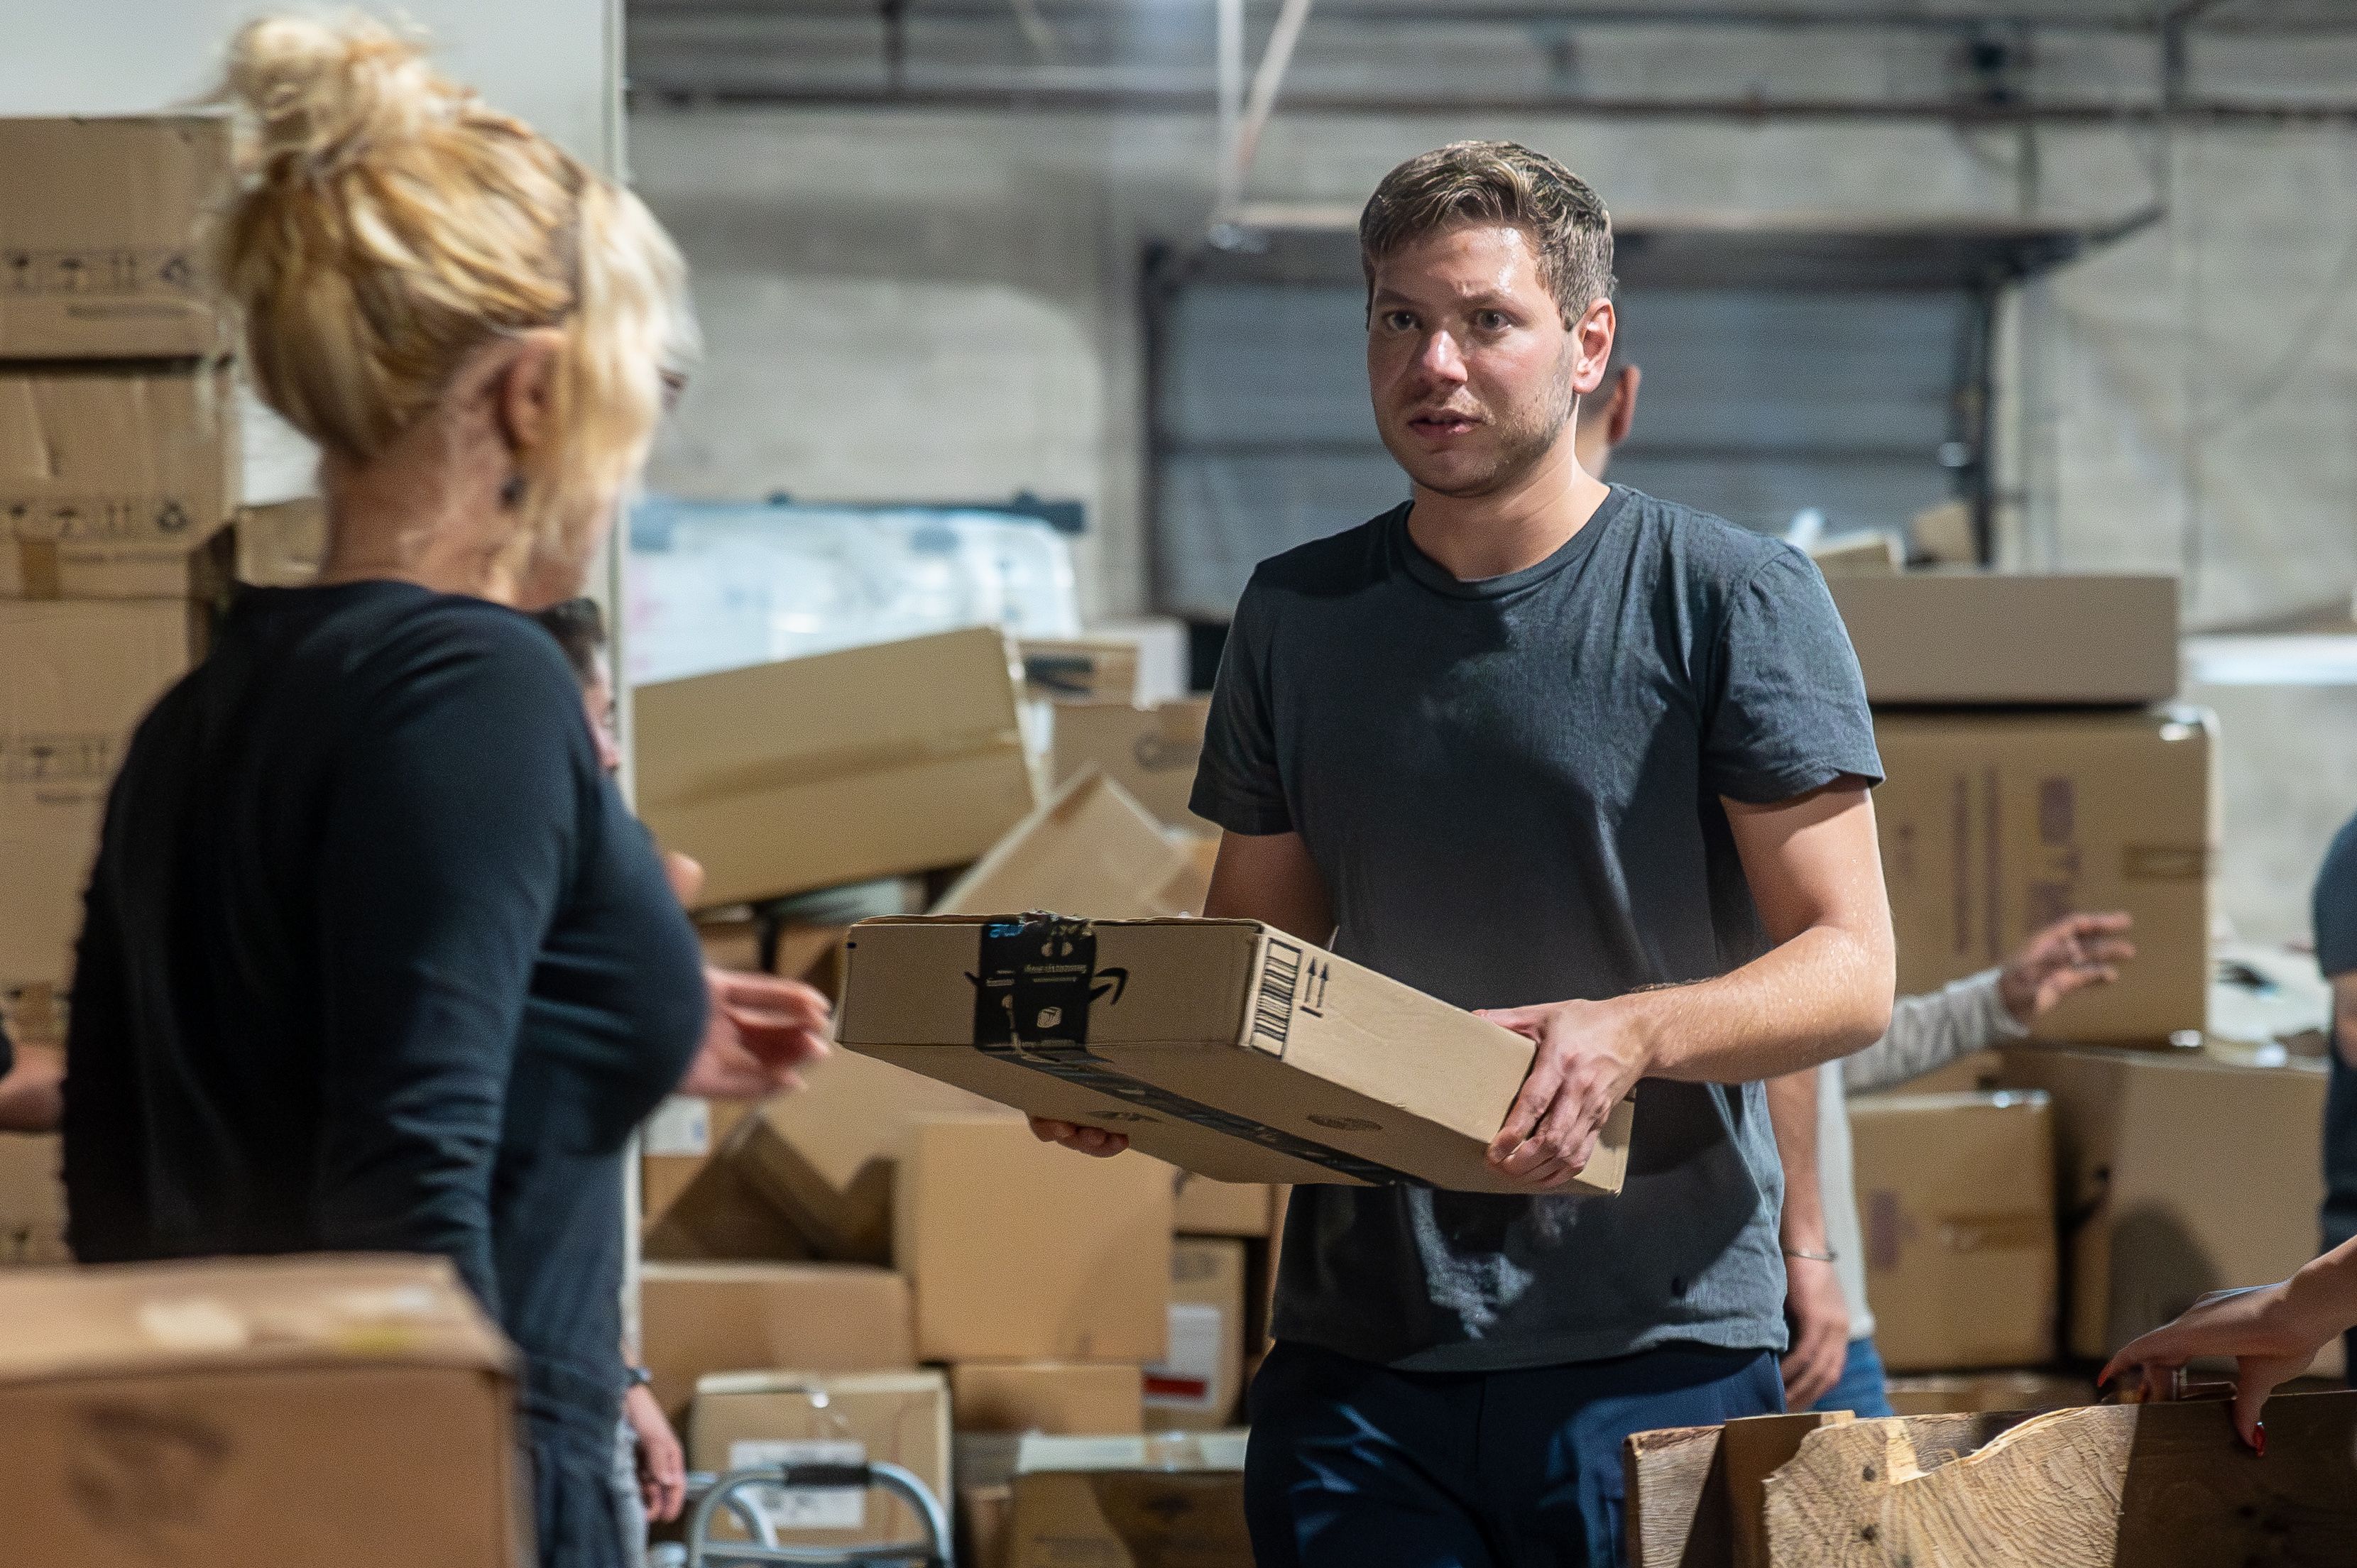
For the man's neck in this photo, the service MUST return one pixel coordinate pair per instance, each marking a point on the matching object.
(1473, 537)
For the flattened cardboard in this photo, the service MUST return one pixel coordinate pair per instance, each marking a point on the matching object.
(1955, 1196)
(75, 677)
(1195, 1386)
(205, 1412)
(112, 477)
(1021, 1251)
(841, 768)
(1994, 825)
(698, 1320)
(1221, 1047)
(825, 1157)
(1090, 850)
(848, 1418)
(1152, 752)
(102, 252)
(1061, 1398)
(1969, 637)
(2180, 1175)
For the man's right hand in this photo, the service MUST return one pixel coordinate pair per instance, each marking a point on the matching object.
(1072, 1135)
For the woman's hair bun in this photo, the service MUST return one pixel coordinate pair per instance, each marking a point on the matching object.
(323, 93)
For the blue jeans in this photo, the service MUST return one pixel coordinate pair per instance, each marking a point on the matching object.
(1357, 1466)
(1862, 1387)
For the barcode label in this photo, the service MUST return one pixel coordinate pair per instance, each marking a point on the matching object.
(1280, 978)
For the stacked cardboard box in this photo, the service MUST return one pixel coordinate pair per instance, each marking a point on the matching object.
(811, 773)
(359, 1412)
(1117, 1502)
(2036, 767)
(2179, 1173)
(881, 1220)
(1955, 1196)
(119, 470)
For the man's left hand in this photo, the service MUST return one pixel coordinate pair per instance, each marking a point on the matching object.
(1819, 1313)
(1589, 1059)
(759, 1030)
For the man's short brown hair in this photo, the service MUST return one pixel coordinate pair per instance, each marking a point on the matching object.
(1497, 183)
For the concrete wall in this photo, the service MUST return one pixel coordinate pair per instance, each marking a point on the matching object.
(940, 306)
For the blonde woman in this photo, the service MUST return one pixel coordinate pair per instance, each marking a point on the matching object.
(374, 958)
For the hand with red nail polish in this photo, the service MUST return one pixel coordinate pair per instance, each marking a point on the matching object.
(2270, 1332)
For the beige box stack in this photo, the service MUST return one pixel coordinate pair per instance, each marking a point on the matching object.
(2037, 763)
(119, 471)
(858, 1268)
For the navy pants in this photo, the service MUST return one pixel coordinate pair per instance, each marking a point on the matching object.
(1355, 1465)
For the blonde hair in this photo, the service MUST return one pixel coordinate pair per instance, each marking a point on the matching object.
(389, 224)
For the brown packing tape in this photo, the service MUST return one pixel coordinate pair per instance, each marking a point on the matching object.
(37, 568)
(841, 762)
(2016, 1232)
(2164, 863)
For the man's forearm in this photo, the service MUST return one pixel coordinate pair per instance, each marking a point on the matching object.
(1822, 995)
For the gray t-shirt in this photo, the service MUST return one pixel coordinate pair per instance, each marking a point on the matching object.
(1513, 789)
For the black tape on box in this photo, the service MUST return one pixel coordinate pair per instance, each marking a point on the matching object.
(1035, 983)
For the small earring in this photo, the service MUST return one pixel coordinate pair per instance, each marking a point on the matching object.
(512, 492)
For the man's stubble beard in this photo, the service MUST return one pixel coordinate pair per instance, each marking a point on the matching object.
(1523, 442)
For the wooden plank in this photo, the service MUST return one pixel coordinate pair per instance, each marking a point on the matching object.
(1751, 1449)
(1676, 1503)
(2164, 1486)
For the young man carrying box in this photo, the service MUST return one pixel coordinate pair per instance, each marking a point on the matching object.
(1597, 764)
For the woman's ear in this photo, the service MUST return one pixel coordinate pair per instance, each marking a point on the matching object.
(524, 394)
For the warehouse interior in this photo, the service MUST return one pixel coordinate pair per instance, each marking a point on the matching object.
(1024, 331)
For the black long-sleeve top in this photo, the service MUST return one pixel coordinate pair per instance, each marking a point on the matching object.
(375, 959)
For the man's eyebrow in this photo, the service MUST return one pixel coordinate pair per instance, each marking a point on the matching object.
(1479, 298)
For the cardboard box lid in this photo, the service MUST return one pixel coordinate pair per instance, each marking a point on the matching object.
(1091, 849)
(837, 768)
(1219, 1046)
(104, 254)
(233, 1315)
(1990, 637)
